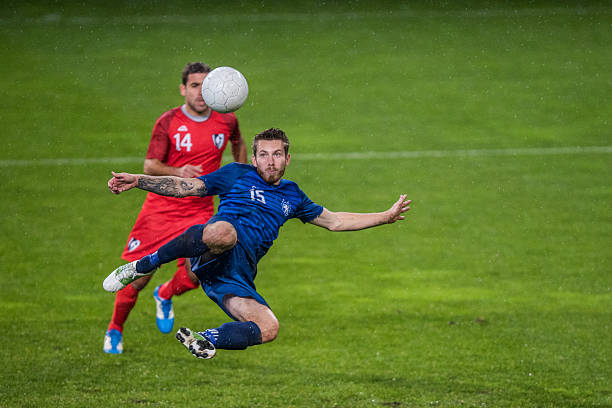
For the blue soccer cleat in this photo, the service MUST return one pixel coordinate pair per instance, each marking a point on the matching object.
(164, 315)
(113, 342)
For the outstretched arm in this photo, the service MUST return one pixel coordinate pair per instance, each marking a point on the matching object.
(343, 221)
(162, 185)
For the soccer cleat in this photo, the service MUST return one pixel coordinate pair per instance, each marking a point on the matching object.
(165, 312)
(113, 342)
(122, 276)
(196, 343)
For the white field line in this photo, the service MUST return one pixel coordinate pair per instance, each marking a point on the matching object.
(527, 151)
(69, 162)
(317, 16)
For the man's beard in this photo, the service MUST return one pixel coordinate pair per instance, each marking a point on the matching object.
(199, 112)
(272, 178)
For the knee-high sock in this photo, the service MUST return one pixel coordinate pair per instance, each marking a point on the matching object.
(235, 335)
(125, 300)
(187, 245)
(180, 283)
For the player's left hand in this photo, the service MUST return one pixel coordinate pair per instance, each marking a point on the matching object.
(122, 182)
(401, 206)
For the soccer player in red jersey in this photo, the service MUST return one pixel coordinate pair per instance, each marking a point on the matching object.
(187, 141)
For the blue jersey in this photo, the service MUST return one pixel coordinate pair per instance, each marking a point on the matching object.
(255, 208)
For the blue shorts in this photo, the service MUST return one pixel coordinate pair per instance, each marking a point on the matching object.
(230, 273)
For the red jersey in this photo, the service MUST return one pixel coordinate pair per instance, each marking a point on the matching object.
(177, 140)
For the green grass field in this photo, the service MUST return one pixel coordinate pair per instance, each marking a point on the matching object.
(495, 292)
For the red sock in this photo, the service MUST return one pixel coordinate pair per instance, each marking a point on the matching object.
(179, 284)
(125, 300)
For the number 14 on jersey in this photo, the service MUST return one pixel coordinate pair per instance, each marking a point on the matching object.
(184, 142)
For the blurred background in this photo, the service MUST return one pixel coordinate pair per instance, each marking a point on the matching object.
(493, 116)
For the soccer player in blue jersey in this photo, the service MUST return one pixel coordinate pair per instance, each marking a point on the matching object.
(255, 201)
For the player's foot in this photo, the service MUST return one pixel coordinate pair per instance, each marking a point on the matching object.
(122, 276)
(196, 343)
(165, 312)
(113, 342)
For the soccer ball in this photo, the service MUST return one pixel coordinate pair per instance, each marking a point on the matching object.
(224, 89)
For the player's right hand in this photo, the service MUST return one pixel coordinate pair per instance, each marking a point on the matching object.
(189, 170)
(122, 182)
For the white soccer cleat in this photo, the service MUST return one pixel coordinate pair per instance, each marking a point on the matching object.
(122, 276)
(196, 343)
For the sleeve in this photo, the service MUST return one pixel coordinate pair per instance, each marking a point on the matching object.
(222, 180)
(232, 122)
(307, 210)
(160, 143)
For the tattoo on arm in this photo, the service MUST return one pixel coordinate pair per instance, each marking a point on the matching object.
(172, 186)
(195, 187)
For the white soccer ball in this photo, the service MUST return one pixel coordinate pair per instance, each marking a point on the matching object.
(224, 89)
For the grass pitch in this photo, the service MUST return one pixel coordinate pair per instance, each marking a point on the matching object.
(496, 291)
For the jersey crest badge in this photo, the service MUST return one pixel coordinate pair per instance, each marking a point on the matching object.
(133, 243)
(218, 139)
(183, 128)
(286, 205)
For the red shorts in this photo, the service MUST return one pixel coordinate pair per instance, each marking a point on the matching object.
(157, 225)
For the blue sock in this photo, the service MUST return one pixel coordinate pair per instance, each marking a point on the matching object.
(187, 245)
(234, 335)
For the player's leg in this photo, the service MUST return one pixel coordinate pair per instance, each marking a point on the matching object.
(227, 279)
(125, 300)
(213, 238)
(247, 309)
(182, 281)
(256, 324)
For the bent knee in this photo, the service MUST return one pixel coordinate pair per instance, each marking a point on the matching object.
(219, 236)
(269, 330)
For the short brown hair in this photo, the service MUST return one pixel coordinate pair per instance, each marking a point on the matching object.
(193, 68)
(271, 134)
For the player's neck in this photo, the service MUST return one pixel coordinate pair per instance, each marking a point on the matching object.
(195, 116)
